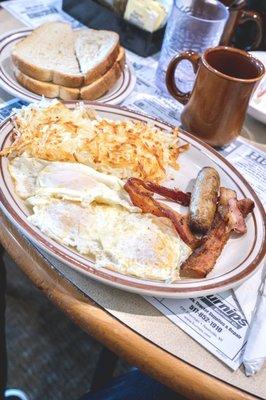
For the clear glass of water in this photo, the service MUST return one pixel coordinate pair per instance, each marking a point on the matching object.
(193, 25)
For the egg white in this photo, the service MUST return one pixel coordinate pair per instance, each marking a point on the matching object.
(130, 243)
(24, 170)
(93, 214)
(69, 181)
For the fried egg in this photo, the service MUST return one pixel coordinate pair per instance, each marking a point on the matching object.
(93, 214)
(69, 181)
(24, 171)
(134, 244)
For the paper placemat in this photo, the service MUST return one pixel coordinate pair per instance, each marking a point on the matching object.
(218, 322)
(135, 311)
(215, 321)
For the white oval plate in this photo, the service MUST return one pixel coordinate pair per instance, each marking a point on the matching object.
(121, 89)
(253, 109)
(240, 257)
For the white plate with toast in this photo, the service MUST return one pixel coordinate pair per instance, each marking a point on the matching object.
(241, 256)
(8, 81)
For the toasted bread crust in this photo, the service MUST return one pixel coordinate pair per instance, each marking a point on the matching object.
(46, 75)
(46, 89)
(74, 81)
(103, 67)
(122, 58)
(42, 74)
(102, 85)
(62, 78)
(88, 92)
(36, 86)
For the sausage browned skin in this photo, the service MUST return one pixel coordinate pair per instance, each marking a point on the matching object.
(203, 259)
(203, 201)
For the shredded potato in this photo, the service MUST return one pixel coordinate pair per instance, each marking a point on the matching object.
(122, 148)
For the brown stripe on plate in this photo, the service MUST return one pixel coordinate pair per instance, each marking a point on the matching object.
(116, 279)
(15, 36)
(87, 260)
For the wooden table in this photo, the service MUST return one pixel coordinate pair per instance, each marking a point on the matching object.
(135, 349)
(116, 336)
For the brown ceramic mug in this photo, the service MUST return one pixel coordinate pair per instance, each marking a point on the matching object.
(239, 15)
(215, 108)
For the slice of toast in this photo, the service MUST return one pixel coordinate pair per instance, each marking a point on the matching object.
(102, 85)
(88, 92)
(55, 53)
(48, 54)
(96, 52)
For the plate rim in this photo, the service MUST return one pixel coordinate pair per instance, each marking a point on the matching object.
(129, 74)
(140, 288)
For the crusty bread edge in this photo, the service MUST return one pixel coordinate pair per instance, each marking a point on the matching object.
(61, 78)
(122, 58)
(100, 69)
(74, 81)
(89, 92)
(103, 84)
(47, 89)
(45, 74)
(42, 74)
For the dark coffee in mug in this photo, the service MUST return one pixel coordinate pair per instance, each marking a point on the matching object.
(216, 107)
(233, 64)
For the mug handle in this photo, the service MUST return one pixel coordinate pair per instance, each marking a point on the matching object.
(189, 55)
(248, 15)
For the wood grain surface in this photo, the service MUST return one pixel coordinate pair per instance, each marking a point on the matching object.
(173, 372)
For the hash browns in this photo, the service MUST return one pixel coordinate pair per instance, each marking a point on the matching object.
(122, 148)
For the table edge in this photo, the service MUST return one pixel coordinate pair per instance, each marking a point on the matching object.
(98, 323)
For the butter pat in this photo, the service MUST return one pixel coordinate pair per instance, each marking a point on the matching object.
(147, 14)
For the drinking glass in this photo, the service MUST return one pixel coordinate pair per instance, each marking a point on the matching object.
(193, 25)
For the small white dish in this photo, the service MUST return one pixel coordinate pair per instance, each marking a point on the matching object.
(121, 89)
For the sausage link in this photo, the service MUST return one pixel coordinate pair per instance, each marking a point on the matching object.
(203, 201)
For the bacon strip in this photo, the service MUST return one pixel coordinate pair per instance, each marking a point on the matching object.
(246, 206)
(228, 201)
(203, 259)
(173, 194)
(143, 198)
(235, 217)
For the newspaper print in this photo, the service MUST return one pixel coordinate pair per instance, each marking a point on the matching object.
(215, 321)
